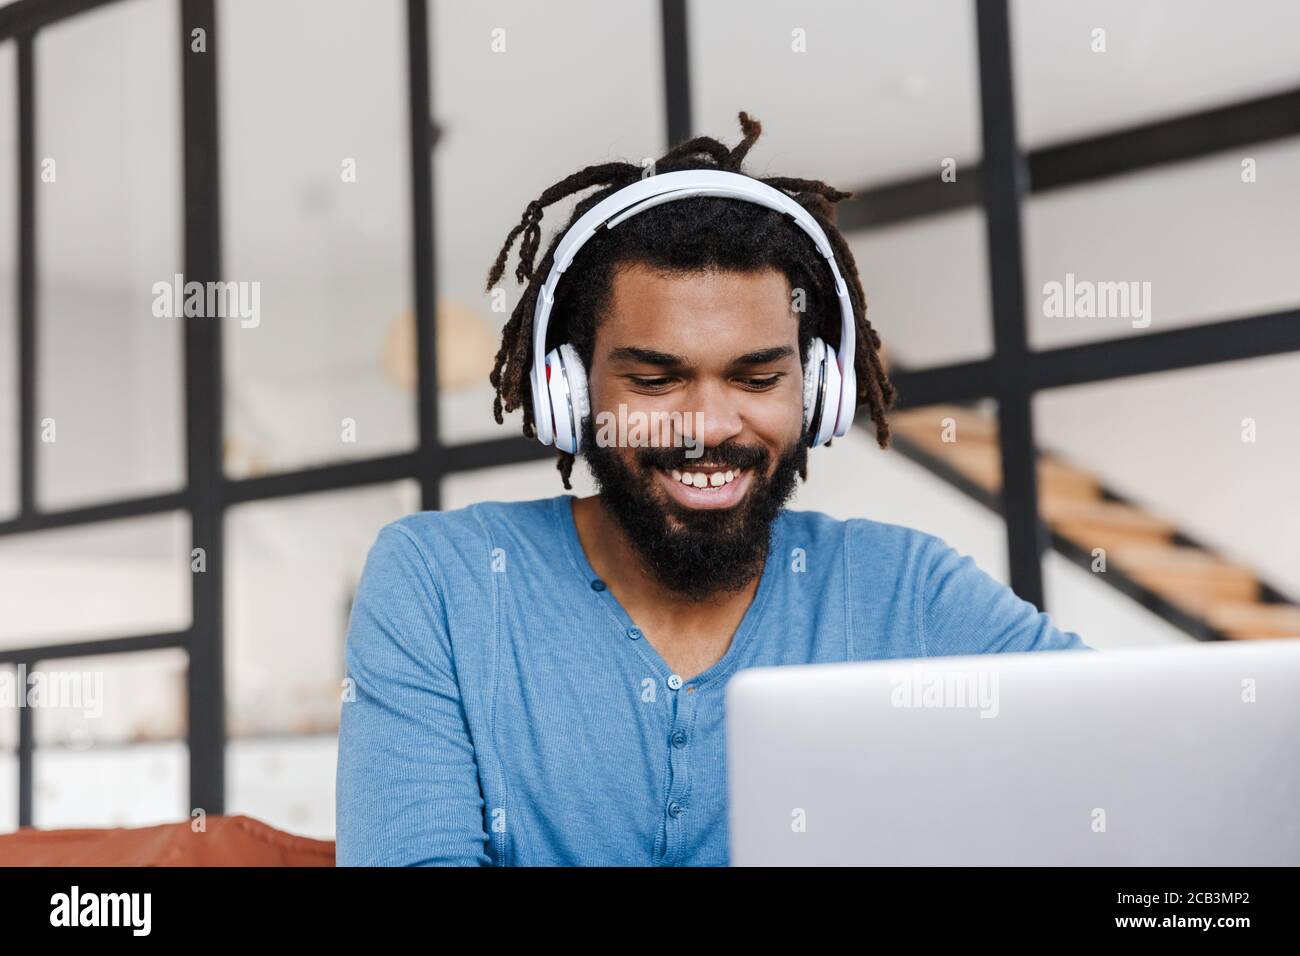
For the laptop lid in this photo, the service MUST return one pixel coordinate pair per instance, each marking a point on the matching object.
(1163, 756)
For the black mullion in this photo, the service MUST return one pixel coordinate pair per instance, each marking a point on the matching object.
(944, 384)
(95, 647)
(494, 453)
(677, 71)
(904, 200)
(27, 357)
(28, 16)
(1175, 140)
(26, 168)
(323, 478)
(203, 413)
(93, 514)
(1213, 343)
(1085, 160)
(26, 748)
(1005, 181)
(428, 452)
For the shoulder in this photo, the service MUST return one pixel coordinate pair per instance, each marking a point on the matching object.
(868, 543)
(459, 545)
(475, 524)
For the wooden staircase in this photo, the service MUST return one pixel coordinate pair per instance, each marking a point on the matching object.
(1214, 598)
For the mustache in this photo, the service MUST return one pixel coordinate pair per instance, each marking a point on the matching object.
(729, 455)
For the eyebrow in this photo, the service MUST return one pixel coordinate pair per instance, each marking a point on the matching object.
(634, 353)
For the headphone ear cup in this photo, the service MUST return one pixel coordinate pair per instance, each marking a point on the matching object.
(812, 381)
(831, 398)
(543, 426)
(581, 398)
(567, 384)
(557, 395)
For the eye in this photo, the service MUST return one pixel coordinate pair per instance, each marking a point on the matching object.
(762, 383)
(650, 384)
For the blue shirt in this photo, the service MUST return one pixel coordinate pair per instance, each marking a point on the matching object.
(502, 707)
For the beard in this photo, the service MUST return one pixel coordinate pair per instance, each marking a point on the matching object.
(695, 552)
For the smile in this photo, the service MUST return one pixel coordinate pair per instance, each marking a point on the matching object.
(701, 479)
(706, 487)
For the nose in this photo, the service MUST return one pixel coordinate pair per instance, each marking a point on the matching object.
(714, 414)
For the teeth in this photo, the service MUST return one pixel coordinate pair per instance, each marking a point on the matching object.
(699, 479)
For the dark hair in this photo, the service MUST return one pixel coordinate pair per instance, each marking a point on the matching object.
(685, 236)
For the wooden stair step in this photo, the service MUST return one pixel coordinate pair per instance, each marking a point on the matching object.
(1109, 514)
(1221, 592)
(1253, 620)
(1200, 594)
(926, 425)
(1056, 477)
(1175, 557)
(977, 462)
(982, 464)
(1104, 524)
(1190, 576)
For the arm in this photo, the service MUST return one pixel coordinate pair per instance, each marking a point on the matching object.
(964, 611)
(407, 790)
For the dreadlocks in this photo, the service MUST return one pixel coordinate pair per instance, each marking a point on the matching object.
(690, 235)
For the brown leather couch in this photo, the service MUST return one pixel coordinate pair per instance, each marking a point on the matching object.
(224, 841)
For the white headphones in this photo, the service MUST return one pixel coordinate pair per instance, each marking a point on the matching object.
(559, 382)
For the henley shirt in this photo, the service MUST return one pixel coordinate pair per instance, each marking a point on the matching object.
(502, 708)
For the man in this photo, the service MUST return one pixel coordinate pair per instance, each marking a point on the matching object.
(542, 683)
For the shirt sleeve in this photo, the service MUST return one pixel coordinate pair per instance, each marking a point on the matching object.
(964, 611)
(407, 791)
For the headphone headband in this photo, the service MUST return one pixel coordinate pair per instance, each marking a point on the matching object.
(667, 187)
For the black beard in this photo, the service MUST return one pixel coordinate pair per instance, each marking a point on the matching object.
(709, 550)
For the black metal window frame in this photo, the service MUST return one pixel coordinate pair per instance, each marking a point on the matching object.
(1012, 375)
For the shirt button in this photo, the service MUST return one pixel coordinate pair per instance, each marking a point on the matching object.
(679, 739)
(598, 585)
(675, 810)
(674, 682)
(634, 633)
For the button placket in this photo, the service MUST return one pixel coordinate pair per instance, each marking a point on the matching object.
(677, 807)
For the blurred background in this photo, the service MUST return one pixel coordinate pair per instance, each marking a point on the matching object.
(363, 160)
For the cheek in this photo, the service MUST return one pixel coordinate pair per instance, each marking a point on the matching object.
(778, 418)
(606, 394)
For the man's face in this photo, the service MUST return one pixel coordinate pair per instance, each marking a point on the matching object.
(713, 358)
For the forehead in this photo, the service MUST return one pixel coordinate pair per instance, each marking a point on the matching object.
(698, 311)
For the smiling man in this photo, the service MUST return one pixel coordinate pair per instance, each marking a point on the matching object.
(541, 683)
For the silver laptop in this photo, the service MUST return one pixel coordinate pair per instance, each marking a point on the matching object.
(1182, 756)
